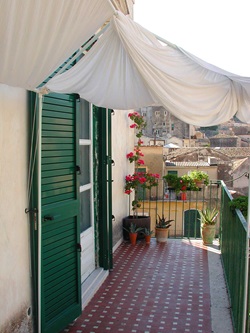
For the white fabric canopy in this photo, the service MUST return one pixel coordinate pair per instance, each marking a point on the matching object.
(129, 68)
(37, 36)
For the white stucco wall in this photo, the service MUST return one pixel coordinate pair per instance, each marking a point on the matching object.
(14, 228)
(122, 144)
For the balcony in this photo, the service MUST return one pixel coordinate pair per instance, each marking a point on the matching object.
(232, 235)
(165, 288)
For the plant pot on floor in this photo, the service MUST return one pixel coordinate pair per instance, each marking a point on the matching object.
(161, 235)
(208, 234)
(147, 239)
(140, 222)
(133, 238)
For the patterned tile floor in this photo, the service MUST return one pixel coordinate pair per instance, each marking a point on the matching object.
(152, 289)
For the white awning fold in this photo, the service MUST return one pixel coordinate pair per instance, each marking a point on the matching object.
(126, 68)
(36, 37)
(129, 68)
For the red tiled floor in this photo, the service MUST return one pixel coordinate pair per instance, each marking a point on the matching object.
(153, 288)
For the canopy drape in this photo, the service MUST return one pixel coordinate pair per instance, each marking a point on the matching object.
(126, 68)
(129, 68)
(37, 36)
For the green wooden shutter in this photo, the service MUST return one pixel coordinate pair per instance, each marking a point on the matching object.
(103, 184)
(60, 256)
(192, 223)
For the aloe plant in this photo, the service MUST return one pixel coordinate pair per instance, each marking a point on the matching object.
(147, 232)
(162, 222)
(133, 228)
(208, 216)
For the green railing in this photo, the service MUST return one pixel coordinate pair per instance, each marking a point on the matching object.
(234, 250)
(182, 207)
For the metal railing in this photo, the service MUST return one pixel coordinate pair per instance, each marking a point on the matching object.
(234, 243)
(183, 207)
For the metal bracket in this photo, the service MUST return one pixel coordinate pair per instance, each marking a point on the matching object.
(33, 210)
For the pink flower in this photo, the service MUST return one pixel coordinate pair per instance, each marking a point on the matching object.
(133, 126)
(140, 162)
(128, 191)
(140, 142)
(142, 180)
(130, 155)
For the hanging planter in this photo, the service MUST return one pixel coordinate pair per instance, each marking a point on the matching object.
(183, 196)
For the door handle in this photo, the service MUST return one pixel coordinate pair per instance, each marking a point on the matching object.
(79, 247)
(48, 218)
(78, 169)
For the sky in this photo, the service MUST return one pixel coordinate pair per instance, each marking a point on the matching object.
(216, 31)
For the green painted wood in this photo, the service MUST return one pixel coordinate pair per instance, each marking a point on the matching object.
(54, 113)
(233, 244)
(192, 224)
(103, 185)
(54, 140)
(53, 160)
(60, 279)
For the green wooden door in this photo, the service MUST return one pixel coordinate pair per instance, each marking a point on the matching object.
(60, 232)
(192, 224)
(103, 185)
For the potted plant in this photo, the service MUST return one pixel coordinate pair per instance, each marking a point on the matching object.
(178, 184)
(172, 180)
(208, 224)
(147, 232)
(133, 232)
(240, 203)
(162, 228)
(186, 182)
(199, 177)
(140, 181)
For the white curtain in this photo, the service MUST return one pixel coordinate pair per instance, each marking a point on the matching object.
(37, 36)
(129, 68)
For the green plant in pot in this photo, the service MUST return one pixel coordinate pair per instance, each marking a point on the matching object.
(148, 233)
(208, 218)
(240, 203)
(133, 232)
(162, 228)
(140, 181)
(199, 177)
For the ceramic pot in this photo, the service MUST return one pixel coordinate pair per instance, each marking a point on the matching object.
(208, 234)
(161, 235)
(183, 196)
(133, 237)
(147, 239)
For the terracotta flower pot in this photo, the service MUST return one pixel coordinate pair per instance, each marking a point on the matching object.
(133, 237)
(147, 239)
(183, 196)
(140, 221)
(161, 235)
